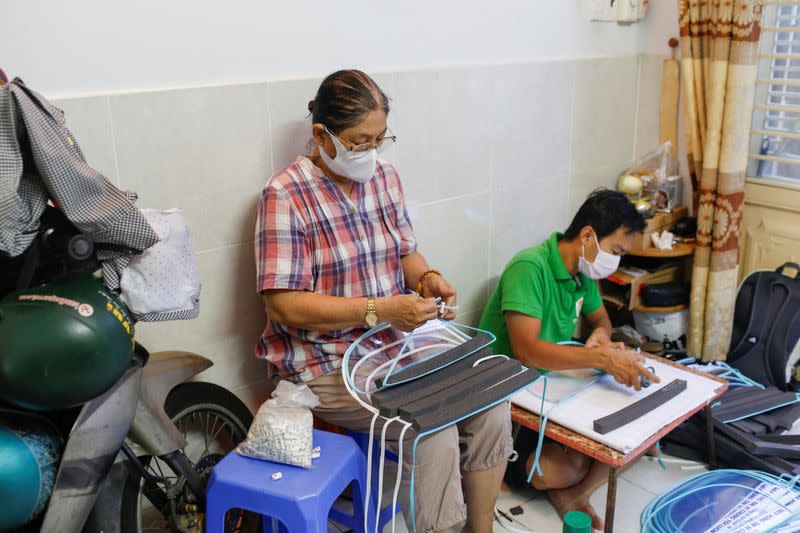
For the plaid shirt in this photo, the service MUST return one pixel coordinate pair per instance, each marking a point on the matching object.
(311, 237)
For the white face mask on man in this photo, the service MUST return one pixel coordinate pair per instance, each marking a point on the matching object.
(603, 265)
(357, 166)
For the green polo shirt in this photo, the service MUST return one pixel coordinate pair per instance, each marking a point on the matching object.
(536, 283)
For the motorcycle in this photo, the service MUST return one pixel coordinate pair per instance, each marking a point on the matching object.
(123, 442)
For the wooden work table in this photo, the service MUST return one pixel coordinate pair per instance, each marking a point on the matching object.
(617, 460)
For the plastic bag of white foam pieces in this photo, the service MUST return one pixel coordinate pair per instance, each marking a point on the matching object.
(282, 431)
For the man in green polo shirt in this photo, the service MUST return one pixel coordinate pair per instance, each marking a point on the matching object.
(541, 295)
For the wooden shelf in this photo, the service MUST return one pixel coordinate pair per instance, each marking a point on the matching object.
(678, 250)
(674, 308)
(658, 223)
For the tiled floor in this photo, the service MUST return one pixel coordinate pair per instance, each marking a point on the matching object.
(637, 487)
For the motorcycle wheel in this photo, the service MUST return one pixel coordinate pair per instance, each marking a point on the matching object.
(213, 421)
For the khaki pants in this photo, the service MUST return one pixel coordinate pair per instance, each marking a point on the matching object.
(477, 443)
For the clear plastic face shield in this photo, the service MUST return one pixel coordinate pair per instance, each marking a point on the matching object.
(388, 351)
(370, 363)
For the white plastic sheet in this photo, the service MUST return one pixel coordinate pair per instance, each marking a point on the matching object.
(606, 396)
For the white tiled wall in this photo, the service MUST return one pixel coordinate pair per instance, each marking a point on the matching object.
(493, 159)
(650, 74)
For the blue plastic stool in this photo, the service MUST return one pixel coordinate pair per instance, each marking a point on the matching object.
(302, 499)
(363, 442)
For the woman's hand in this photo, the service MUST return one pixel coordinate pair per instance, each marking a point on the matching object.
(437, 287)
(625, 366)
(406, 311)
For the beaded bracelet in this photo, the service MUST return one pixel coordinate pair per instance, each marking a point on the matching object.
(425, 276)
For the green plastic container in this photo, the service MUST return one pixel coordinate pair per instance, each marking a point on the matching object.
(62, 344)
(577, 522)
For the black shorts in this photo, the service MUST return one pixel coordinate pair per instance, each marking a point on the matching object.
(525, 445)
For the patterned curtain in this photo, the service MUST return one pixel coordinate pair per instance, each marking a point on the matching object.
(719, 59)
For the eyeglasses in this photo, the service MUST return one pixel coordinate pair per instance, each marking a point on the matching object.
(366, 147)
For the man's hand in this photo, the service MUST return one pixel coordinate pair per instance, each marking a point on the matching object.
(437, 287)
(626, 366)
(599, 337)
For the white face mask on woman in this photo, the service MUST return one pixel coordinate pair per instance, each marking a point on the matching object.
(603, 265)
(357, 166)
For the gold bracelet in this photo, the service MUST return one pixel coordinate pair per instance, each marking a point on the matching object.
(425, 276)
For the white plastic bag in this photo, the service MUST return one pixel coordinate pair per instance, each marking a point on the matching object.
(658, 164)
(164, 279)
(660, 179)
(282, 431)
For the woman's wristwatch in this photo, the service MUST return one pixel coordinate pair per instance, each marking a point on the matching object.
(372, 315)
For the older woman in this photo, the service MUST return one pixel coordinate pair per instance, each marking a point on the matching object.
(335, 254)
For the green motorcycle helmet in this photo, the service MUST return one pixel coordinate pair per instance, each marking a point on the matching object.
(62, 343)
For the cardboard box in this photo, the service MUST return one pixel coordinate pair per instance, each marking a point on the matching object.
(620, 281)
(660, 222)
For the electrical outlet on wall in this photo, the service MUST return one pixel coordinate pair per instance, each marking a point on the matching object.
(619, 10)
(604, 10)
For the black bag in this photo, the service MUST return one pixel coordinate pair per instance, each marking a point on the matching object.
(665, 294)
(766, 327)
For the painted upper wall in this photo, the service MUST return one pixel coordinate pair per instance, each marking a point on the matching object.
(661, 24)
(86, 47)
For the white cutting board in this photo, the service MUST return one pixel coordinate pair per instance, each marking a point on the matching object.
(606, 396)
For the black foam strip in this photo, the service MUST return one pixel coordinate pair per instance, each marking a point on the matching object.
(766, 401)
(440, 361)
(793, 440)
(726, 403)
(784, 451)
(745, 394)
(781, 419)
(741, 438)
(416, 390)
(758, 446)
(419, 387)
(750, 426)
(733, 394)
(691, 436)
(747, 409)
(475, 403)
(638, 409)
(459, 389)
